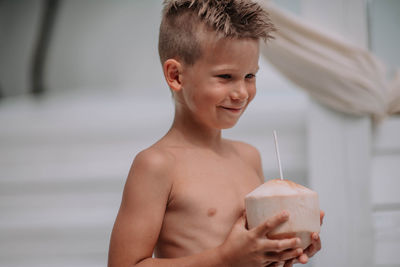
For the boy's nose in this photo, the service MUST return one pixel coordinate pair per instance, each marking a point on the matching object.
(240, 92)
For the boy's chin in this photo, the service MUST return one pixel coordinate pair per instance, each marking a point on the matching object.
(228, 126)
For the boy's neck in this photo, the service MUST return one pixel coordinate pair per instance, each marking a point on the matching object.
(191, 133)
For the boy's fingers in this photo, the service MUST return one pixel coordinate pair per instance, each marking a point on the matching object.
(314, 247)
(273, 264)
(284, 255)
(321, 216)
(317, 242)
(271, 223)
(280, 245)
(303, 259)
(241, 221)
(310, 251)
(289, 263)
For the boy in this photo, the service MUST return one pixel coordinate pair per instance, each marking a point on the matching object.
(184, 195)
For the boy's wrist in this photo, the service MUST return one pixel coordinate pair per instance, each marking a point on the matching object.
(223, 259)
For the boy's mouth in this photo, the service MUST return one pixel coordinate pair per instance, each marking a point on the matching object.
(233, 109)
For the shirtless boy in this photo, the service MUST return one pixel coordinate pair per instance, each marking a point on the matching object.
(184, 196)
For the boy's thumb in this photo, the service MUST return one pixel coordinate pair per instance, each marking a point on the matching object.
(242, 220)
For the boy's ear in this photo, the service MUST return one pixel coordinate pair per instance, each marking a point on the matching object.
(172, 72)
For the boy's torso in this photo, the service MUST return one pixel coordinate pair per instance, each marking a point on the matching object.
(206, 199)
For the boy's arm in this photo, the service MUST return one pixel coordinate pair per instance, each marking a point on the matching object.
(141, 214)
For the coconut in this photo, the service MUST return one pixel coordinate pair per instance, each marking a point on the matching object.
(277, 195)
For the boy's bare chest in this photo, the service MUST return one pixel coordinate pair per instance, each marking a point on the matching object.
(206, 199)
(212, 187)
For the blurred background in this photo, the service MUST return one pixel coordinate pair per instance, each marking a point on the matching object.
(82, 92)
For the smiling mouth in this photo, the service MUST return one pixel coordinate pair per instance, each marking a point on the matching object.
(235, 110)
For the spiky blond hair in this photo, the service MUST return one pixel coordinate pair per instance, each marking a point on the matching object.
(183, 19)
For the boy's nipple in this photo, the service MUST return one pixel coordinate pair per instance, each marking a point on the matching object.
(211, 212)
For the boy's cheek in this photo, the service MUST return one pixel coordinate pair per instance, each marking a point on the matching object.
(252, 94)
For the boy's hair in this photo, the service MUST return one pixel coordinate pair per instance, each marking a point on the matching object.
(182, 20)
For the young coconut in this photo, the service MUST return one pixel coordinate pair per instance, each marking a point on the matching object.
(276, 195)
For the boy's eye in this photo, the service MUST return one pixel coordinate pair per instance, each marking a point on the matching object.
(225, 76)
(250, 76)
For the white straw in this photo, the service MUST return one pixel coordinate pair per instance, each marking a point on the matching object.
(277, 154)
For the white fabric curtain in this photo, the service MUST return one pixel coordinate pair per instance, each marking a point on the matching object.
(337, 73)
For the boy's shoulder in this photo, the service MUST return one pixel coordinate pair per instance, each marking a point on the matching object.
(155, 156)
(249, 154)
(154, 161)
(243, 148)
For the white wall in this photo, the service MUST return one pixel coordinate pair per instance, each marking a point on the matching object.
(385, 182)
(384, 38)
(106, 44)
(19, 21)
(385, 171)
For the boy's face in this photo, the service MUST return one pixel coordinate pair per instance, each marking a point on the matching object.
(218, 87)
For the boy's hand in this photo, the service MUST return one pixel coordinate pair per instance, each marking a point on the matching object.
(311, 250)
(252, 247)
